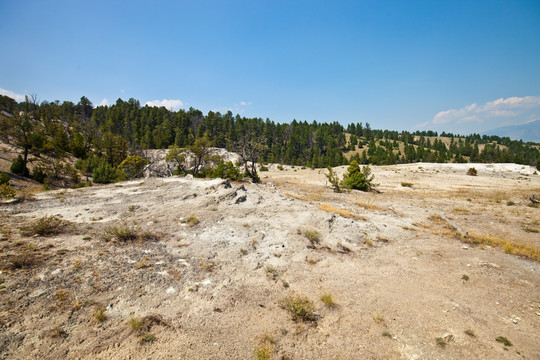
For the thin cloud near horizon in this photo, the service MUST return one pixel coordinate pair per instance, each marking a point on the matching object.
(502, 108)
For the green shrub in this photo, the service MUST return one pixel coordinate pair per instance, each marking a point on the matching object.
(226, 170)
(472, 172)
(6, 191)
(104, 174)
(132, 166)
(4, 178)
(39, 174)
(358, 179)
(503, 340)
(333, 179)
(17, 166)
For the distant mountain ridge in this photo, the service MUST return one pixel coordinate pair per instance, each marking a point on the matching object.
(526, 132)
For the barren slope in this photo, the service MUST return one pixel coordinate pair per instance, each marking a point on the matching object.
(212, 289)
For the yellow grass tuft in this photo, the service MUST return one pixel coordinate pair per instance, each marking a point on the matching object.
(369, 205)
(342, 212)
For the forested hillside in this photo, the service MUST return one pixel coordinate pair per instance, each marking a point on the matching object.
(102, 137)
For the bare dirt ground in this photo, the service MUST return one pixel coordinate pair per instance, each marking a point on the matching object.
(404, 286)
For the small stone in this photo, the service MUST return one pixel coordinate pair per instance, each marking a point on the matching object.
(465, 247)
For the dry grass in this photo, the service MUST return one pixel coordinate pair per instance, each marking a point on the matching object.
(509, 246)
(312, 235)
(100, 314)
(297, 197)
(145, 324)
(345, 213)
(46, 226)
(369, 205)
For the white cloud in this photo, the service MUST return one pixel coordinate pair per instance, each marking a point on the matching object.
(11, 94)
(500, 108)
(104, 102)
(168, 103)
(244, 103)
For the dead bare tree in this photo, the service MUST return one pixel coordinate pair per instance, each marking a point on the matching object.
(249, 147)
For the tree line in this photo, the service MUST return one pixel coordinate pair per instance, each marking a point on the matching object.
(102, 137)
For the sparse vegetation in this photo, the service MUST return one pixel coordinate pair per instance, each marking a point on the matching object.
(470, 333)
(299, 307)
(121, 233)
(379, 318)
(440, 341)
(509, 246)
(407, 184)
(190, 221)
(147, 338)
(265, 348)
(271, 272)
(386, 333)
(503, 340)
(312, 235)
(46, 226)
(465, 277)
(333, 179)
(99, 314)
(23, 260)
(327, 300)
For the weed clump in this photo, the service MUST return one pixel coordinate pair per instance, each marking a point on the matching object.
(147, 338)
(406, 184)
(472, 172)
(100, 314)
(190, 221)
(328, 301)
(142, 327)
(271, 272)
(440, 341)
(23, 260)
(121, 233)
(125, 233)
(299, 307)
(312, 235)
(46, 226)
(503, 340)
(6, 191)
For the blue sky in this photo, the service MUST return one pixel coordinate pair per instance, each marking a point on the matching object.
(461, 66)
